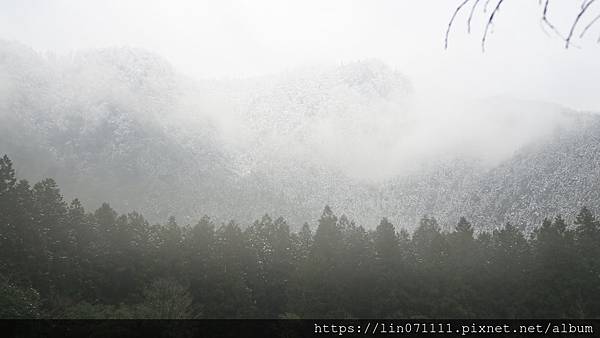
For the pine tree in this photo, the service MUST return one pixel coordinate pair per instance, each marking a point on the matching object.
(52, 225)
(386, 244)
(430, 246)
(323, 298)
(390, 272)
(105, 219)
(200, 248)
(461, 267)
(29, 255)
(356, 272)
(280, 269)
(430, 250)
(232, 297)
(298, 289)
(553, 273)
(303, 243)
(10, 242)
(8, 179)
(511, 265)
(171, 254)
(587, 243)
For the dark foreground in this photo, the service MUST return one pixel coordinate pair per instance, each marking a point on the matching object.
(59, 261)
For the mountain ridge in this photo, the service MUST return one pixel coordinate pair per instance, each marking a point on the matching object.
(121, 125)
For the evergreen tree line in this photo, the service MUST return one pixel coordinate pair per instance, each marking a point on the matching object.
(57, 260)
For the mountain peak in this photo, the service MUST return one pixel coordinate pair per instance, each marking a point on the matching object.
(137, 67)
(373, 75)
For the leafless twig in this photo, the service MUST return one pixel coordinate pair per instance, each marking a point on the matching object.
(452, 21)
(471, 16)
(584, 8)
(485, 7)
(489, 23)
(547, 22)
(589, 25)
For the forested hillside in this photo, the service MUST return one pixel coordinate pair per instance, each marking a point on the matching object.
(59, 261)
(121, 125)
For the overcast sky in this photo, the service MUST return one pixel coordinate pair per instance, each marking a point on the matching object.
(233, 39)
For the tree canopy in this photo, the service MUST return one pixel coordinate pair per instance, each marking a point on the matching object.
(59, 261)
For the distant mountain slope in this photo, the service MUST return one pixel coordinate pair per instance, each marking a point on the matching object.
(120, 125)
(105, 125)
(555, 175)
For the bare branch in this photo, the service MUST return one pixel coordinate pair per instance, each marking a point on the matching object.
(487, 2)
(547, 22)
(471, 16)
(452, 20)
(589, 25)
(583, 5)
(584, 8)
(489, 23)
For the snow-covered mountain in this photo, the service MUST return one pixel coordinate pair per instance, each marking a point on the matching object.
(121, 125)
(106, 125)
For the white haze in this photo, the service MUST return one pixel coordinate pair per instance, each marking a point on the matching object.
(229, 53)
(366, 121)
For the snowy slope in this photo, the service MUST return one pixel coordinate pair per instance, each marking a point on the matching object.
(121, 125)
